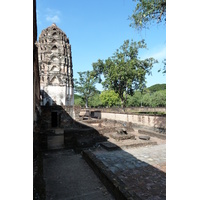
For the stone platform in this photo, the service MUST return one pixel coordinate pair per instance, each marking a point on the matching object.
(130, 168)
(119, 137)
(136, 173)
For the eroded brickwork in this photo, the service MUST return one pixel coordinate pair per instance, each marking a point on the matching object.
(55, 64)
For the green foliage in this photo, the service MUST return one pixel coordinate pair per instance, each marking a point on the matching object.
(147, 12)
(85, 86)
(157, 87)
(78, 101)
(146, 100)
(95, 101)
(158, 99)
(154, 96)
(124, 72)
(76, 96)
(164, 67)
(134, 100)
(109, 98)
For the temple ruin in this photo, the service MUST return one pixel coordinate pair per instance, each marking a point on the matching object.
(55, 67)
(108, 153)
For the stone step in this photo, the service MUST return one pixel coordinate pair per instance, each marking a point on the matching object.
(152, 134)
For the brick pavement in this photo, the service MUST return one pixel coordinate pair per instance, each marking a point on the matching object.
(68, 177)
(142, 170)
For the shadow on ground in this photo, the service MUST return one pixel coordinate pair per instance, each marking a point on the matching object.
(136, 173)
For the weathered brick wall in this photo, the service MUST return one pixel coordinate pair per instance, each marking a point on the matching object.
(158, 122)
(77, 110)
(133, 109)
(63, 113)
(55, 63)
(153, 122)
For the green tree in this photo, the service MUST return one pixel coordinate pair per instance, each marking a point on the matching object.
(109, 98)
(158, 99)
(124, 72)
(146, 100)
(78, 101)
(157, 87)
(147, 12)
(135, 100)
(164, 67)
(95, 100)
(85, 86)
(155, 99)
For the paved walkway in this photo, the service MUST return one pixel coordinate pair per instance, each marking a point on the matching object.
(142, 169)
(67, 176)
(134, 157)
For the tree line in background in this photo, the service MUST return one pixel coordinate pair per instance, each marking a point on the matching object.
(124, 72)
(123, 79)
(154, 96)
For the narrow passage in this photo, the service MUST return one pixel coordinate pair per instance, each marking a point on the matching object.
(67, 176)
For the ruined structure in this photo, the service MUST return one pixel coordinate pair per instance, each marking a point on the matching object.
(36, 78)
(107, 143)
(55, 65)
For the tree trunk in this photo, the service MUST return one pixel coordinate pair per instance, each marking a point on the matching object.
(86, 103)
(122, 103)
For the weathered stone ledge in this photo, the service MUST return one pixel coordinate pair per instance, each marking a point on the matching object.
(110, 180)
(153, 134)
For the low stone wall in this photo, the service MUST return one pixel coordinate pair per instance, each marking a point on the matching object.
(154, 122)
(77, 110)
(96, 111)
(133, 109)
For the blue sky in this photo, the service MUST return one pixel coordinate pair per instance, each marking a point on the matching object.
(96, 28)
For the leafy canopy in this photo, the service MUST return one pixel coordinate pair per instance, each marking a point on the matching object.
(85, 86)
(155, 99)
(124, 72)
(147, 12)
(95, 101)
(157, 87)
(109, 98)
(134, 100)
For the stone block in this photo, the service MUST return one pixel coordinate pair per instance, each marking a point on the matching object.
(119, 137)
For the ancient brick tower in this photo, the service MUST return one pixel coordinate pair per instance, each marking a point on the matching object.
(55, 66)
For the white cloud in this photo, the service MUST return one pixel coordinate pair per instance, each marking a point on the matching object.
(53, 15)
(53, 18)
